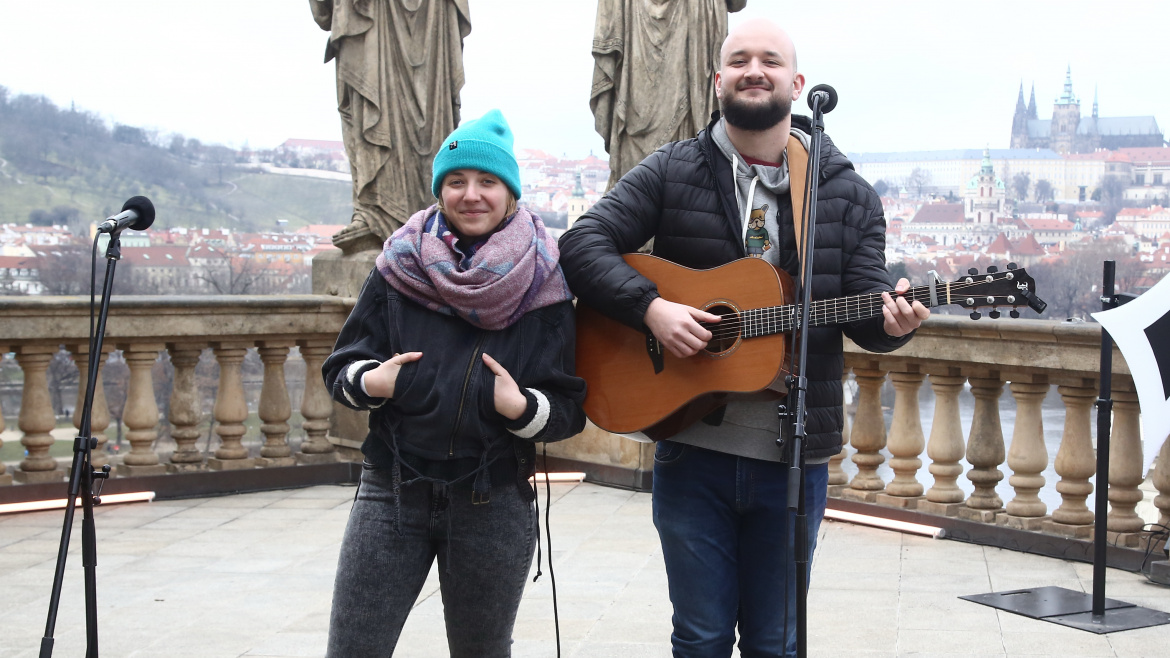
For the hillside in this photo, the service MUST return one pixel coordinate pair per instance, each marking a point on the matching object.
(66, 166)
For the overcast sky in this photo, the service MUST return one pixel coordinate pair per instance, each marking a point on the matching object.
(911, 75)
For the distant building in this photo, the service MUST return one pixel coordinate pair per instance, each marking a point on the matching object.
(985, 198)
(1068, 132)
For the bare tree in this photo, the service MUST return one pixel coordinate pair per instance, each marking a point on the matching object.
(1044, 191)
(1072, 284)
(63, 269)
(1021, 183)
(919, 180)
(1111, 193)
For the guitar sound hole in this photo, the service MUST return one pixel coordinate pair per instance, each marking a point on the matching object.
(724, 334)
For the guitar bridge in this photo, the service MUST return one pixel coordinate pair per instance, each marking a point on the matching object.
(654, 351)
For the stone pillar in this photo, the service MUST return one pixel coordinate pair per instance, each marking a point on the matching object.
(316, 405)
(1028, 457)
(141, 413)
(985, 449)
(1075, 462)
(1125, 468)
(99, 417)
(36, 418)
(184, 409)
(275, 408)
(5, 476)
(230, 410)
(946, 446)
(1161, 481)
(868, 435)
(837, 477)
(906, 441)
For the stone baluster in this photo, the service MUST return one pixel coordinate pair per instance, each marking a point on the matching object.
(837, 476)
(945, 447)
(316, 405)
(275, 409)
(99, 417)
(1075, 462)
(1161, 482)
(906, 441)
(36, 418)
(985, 449)
(1125, 468)
(5, 476)
(1028, 457)
(868, 434)
(141, 413)
(184, 408)
(231, 410)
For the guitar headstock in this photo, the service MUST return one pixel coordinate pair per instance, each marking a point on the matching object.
(1008, 288)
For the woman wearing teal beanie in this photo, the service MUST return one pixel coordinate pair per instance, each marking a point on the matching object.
(461, 348)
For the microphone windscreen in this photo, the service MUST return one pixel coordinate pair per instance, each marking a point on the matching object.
(827, 105)
(145, 210)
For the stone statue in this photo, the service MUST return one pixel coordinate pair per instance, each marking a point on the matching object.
(399, 72)
(654, 73)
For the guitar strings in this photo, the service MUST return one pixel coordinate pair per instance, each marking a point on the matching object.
(779, 319)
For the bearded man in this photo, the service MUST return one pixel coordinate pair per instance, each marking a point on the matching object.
(720, 485)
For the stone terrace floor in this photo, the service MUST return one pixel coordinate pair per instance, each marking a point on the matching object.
(251, 575)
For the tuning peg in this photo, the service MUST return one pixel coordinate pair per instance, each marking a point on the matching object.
(1014, 313)
(991, 269)
(994, 314)
(973, 271)
(975, 315)
(1012, 266)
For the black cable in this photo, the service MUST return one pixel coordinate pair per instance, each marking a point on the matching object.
(548, 535)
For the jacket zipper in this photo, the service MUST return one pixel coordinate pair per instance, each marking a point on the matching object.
(463, 394)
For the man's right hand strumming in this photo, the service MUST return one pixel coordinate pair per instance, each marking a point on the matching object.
(677, 326)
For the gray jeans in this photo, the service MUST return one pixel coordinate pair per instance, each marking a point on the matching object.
(484, 554)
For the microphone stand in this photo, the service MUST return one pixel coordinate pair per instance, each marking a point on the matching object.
(820, 102)
(82, 476)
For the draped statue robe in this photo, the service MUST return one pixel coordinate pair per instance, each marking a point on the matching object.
(399, 72)
(654, 73)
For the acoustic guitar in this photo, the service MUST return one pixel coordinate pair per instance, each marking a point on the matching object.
(636, 385)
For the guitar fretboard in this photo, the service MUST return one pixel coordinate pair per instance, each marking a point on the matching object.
(842, 310)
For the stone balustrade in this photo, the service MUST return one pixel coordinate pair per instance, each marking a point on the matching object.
(1030, 357)
(181, 328)
(953, 356)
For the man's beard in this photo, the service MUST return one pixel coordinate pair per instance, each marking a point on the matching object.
(756, 117)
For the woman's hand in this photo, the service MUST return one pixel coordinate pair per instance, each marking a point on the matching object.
(510, 402)
(379, 382)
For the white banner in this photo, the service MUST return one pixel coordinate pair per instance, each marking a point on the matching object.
(1141, 330)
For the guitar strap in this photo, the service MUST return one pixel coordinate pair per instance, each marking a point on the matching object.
(797, 172)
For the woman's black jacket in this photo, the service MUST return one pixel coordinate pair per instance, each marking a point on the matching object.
(683, 196)
(443, 406)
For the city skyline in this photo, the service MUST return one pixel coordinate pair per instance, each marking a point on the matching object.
(252, 73)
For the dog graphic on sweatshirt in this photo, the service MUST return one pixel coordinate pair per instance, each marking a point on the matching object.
(757, 241)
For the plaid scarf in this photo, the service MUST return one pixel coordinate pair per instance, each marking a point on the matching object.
(491, 283)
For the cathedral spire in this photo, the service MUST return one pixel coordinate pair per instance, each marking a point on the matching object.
(1067, 98)
(1094, 101)
(1032, 104)
(1020, 108)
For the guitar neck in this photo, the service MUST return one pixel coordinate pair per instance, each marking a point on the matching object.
(842, 310)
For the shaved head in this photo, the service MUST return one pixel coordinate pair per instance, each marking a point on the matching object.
(758, 30)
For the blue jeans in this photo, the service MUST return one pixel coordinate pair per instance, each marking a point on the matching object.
(484, 554)
(726, 537)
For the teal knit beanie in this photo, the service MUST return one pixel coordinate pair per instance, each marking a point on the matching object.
(484, 144)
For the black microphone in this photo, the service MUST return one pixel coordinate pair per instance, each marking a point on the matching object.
(137, 213)
(827, 96)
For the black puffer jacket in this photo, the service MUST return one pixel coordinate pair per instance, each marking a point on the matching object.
(683, 196)
(443, 407)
